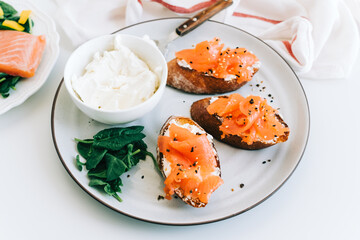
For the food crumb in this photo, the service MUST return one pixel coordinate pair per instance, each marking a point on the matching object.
(160, 198)
(128, 175)
(232, 189)
(241, 185)
(142, 177)
(263, 162)
(269, 160)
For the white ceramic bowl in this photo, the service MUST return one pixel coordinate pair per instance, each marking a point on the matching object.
(143, 48)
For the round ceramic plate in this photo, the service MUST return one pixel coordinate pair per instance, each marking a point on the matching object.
(249, 176)
(43, 25)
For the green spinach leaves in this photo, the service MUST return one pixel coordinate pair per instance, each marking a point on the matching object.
(7, 9)
(109, 154)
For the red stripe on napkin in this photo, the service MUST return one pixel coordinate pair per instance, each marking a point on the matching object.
(288, 47)
(238, 14)
(178, 9)
(287, 44)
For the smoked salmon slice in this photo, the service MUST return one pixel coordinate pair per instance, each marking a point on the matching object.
(20, 53)
(211, 58)
(189, 162)
(249, 117)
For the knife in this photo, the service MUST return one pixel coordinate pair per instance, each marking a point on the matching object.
(192, 23)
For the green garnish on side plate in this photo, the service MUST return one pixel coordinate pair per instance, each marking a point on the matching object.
(109, 154)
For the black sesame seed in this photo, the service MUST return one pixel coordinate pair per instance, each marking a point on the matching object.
(251, 101)
(241, 185)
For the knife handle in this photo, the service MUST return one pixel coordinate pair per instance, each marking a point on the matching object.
(202, 16)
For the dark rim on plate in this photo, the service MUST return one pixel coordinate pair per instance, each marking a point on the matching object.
(193, 223)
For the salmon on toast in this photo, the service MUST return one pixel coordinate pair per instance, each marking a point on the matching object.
(188, 160)
(243, 122)
(210, 68)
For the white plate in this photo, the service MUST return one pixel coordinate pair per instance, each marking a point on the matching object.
(43, 25)
(262, 172)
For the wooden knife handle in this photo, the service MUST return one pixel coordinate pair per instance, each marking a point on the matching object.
(202, 16)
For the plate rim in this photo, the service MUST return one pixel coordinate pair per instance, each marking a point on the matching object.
(188, 223)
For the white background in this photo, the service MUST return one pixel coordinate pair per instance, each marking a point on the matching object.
(321, 200)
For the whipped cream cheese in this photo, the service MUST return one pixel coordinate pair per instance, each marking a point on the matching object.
(115, 79)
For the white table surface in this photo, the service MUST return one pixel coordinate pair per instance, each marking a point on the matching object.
(321, 200)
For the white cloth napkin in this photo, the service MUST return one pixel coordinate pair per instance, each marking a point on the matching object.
(319, 39)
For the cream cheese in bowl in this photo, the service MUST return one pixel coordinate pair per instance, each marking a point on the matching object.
(115, 79)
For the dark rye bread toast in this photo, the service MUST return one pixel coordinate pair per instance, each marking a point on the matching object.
(211, 124)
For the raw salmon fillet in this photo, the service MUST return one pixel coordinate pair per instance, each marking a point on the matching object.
(20, 53)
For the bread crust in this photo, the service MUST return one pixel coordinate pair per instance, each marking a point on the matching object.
(192, 81)
(211, 124)
(195, 202)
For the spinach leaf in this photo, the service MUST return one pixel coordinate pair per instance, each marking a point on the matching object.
(93, 155)
(83, 148)
(79, 164)
(116, 138)
(96, 155)
(109, 188)
(115, 185)
(7, 9)
(115, 167)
